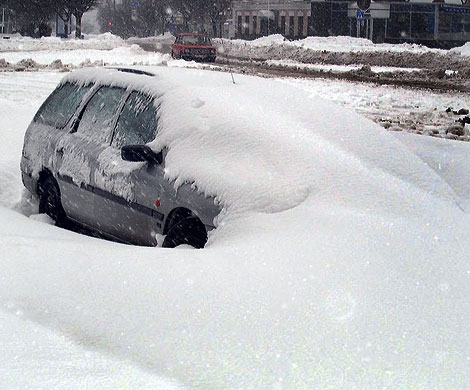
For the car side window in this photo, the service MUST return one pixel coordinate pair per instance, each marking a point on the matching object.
(97, 118)
(137, 124)
(61, 105)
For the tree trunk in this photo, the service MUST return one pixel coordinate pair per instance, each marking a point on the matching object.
(214, 27)
(66, 28)
(78, 25)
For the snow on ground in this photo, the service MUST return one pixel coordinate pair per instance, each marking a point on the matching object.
(463, 50)
(417, 111)
(337, 68)
(446, 157)
(364, 284)
(106, 41)
(339, 44)
(122, 55)
(33, 357)
(105, 48)
(20, 97)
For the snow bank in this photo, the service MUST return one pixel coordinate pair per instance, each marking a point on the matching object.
(364, 284)
(340, 44)
(125, 55)
(350, 44)
(463, 50)
(105, 41)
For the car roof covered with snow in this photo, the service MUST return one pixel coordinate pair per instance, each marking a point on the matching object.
(265, 145)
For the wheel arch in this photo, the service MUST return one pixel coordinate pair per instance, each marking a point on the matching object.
(176, 215)
(43, 175)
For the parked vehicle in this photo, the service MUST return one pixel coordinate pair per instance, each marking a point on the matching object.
(193, 46)
(85, 157)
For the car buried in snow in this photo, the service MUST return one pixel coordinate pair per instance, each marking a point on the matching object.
(86, 159)
(193, 46)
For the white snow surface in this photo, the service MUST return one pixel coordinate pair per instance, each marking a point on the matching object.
(121, 55)
(106, 41)
(34, 357)
(341, 260)
(337, 68)
(330, 44)
(463, 50)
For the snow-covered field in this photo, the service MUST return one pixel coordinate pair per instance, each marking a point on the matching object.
(364, 284)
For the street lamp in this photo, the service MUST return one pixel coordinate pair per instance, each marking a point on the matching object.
(269, 15)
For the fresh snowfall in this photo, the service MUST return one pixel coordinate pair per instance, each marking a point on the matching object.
(339, 261)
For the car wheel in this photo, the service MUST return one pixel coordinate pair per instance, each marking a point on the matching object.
(49, 201)
(188, 231)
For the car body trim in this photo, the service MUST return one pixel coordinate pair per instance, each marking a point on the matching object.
(107, 195)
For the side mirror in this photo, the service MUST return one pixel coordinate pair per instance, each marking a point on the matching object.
(140, 153)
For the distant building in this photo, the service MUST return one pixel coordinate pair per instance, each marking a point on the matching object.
(263, 17)
(431, 22)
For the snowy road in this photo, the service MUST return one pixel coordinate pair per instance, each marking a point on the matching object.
(368, 296)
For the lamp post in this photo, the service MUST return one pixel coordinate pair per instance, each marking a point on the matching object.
(269, 15)
(3, 20)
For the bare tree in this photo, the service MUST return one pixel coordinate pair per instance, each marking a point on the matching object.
(152, 15)
(67, 8)
(32, 17)
(216, 12)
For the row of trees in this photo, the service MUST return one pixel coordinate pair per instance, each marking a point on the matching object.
(122, 17)
(150, 17)
(32, 17)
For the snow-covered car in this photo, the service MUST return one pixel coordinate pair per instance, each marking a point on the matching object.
(193, 46)
(85, 157)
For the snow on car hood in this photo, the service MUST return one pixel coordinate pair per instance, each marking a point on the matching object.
(263, 145)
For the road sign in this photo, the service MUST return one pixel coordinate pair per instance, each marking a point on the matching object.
(363, 5)
(360, 15)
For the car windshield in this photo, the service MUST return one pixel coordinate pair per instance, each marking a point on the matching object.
(195, 40)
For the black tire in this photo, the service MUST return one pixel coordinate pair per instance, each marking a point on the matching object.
(188, 231)
(50, 202)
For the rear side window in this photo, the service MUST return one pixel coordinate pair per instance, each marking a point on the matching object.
(97, 118)
(137, 123)
(61, 105)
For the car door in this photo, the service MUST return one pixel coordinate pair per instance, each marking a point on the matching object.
(81, 148)
(131, 190)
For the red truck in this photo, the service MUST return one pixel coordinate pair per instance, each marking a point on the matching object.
(193, 46)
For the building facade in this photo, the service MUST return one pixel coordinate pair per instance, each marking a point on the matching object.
(430, 22)
(256, 18)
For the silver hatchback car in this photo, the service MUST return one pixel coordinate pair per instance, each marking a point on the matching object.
(85, 157)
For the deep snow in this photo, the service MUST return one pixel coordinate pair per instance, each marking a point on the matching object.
(34, 357)
(334, 44)
(362, 285)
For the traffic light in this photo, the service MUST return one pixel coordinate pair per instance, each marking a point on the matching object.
(110, 23)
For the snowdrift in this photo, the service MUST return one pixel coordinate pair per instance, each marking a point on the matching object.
(330, 44)
(341, 259)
